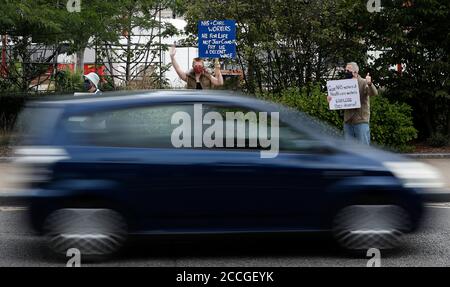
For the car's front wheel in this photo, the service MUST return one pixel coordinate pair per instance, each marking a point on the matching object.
(361, 227)
(96, 233)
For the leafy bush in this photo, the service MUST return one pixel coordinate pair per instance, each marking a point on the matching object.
(8, 85)
(108, 84)
(391, 123)
(438, 140)
(67, 81)
(10, 106)
(315, 104)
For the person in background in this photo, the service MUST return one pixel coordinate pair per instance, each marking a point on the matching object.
(91, 82)
(198, 77)
(356, 121)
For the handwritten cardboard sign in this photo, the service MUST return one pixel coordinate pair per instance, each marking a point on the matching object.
(344, 94)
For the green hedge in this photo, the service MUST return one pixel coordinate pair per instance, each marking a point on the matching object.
(391, 123)
(10, 107)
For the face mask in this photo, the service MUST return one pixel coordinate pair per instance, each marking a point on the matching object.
(348, 74)
(198, 69)
(87, 85)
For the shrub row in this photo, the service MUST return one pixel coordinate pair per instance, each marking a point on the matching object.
(391, 123)
(10, 107)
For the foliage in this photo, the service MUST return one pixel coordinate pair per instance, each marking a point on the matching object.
(67, 81)
(287, 43)
(10, 106)
(138, 52)
(108, 84)
(281, 43)
(33, 25)
(414, 34)
(315, 104)
(438, 140)
(391, 123)
(36, 24)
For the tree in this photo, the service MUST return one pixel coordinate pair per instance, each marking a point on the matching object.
(141, 32)
(294, 43)
(284, 43)
(40, 25)
(97, 22)
(24, 23)
(47, 24)
(415, 35)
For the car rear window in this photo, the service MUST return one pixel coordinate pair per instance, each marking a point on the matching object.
(132, 127)
(35, 125)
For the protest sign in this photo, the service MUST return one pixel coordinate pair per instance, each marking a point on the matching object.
(217, 39)
(344, 94)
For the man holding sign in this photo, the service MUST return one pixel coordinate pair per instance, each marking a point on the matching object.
(197, 78)
(353, 96)
(216, 39)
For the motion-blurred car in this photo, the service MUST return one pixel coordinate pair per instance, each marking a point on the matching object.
(104, 167)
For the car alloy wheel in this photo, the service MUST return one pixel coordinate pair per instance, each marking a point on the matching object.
(360, 227)
(94, 232)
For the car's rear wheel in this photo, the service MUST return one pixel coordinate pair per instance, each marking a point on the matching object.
(361, 227)
(96, 233)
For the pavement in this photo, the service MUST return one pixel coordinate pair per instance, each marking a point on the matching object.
(428, 247)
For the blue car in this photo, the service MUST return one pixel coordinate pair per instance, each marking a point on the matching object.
(102, 168)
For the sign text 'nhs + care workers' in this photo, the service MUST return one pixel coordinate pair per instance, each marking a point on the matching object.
(217, 39)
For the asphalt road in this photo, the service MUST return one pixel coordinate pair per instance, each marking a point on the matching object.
(429, 247)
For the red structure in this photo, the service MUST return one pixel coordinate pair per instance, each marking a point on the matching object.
(88, 68)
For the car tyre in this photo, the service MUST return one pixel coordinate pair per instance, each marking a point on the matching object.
(96, 233)
(360, 227)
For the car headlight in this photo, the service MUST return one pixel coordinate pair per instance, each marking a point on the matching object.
(416, 174)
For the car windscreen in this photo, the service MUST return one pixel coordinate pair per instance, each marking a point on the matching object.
(310, 123)
(302, 121)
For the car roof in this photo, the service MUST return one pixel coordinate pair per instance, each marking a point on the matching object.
(120, 98)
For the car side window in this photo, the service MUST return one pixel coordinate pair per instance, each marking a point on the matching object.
(290, 139)
(237, 128)
(141, 127)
